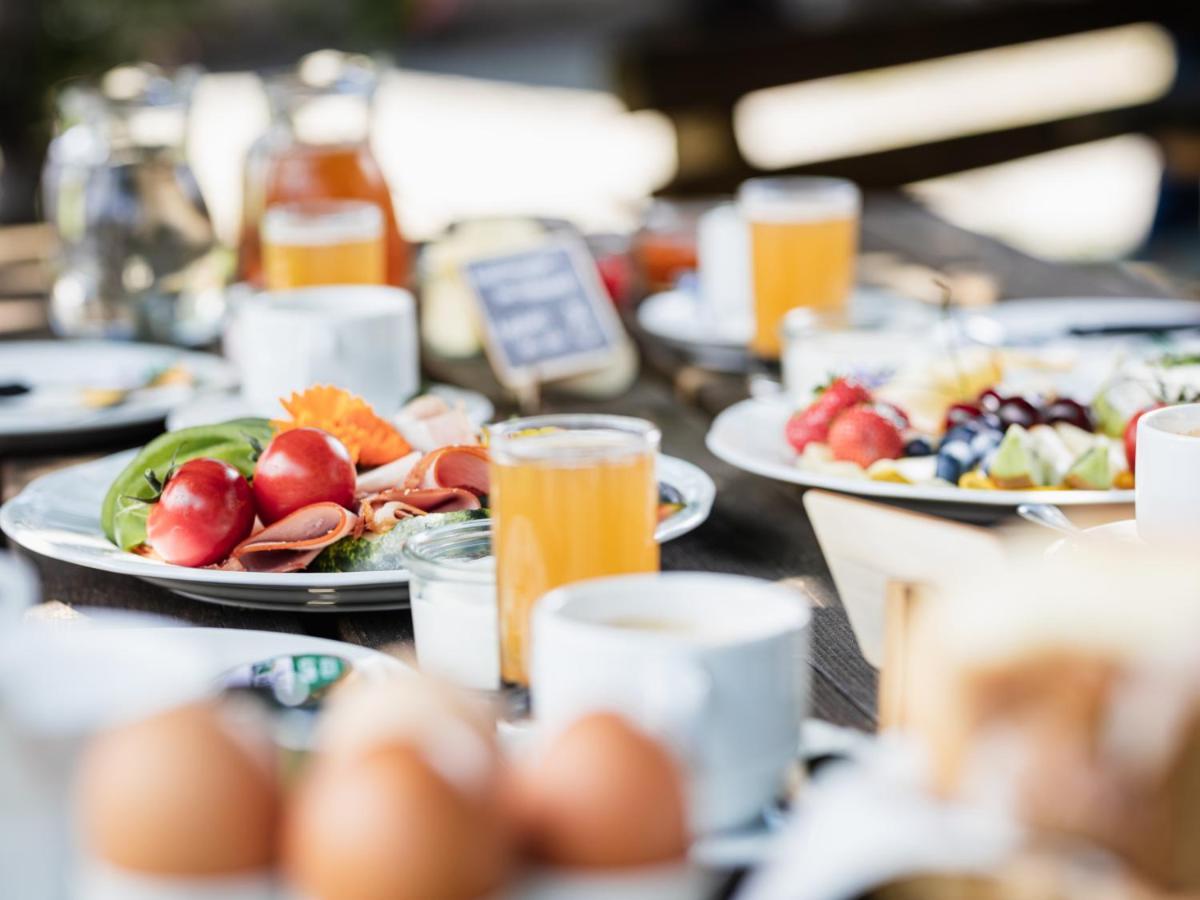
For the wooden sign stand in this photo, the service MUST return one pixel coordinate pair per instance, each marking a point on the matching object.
(545, 315)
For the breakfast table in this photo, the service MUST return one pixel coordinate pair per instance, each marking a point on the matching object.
(758, 527)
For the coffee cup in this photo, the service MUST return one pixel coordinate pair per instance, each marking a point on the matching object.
(713, 665)
(1167, 490)
(359, 337)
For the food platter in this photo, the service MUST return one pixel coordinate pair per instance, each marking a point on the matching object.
(54, 378)
(750, 436)
(57, 516)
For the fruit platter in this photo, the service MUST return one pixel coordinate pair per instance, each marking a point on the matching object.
(309, 510)
(959, 432)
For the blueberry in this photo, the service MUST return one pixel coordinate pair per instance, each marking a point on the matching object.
(983, 442)
(918, 447)
(948, 468)
(954, 458)
(963, 432)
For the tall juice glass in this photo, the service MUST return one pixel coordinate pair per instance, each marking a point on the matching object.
(803, 241)
(323, 242)
(572, 497)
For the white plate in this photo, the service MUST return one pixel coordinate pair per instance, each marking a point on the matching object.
(749, 435)
(58, 371)
(1043, 319)
(678, 318)
(223, 407)
(224, 648)
(57, 516)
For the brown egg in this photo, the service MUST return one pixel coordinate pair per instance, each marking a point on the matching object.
(603, 794)
(179, 794)
(386, 825)
(420, 712)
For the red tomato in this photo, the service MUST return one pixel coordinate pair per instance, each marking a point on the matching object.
(1131, 435)
(301, 467)
(205, 510)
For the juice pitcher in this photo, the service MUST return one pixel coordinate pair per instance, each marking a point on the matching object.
(317, 150)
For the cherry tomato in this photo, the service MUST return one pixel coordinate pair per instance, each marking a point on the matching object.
(204, 511)
(301, 467)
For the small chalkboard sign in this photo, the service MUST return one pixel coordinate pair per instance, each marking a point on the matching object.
(545, 312)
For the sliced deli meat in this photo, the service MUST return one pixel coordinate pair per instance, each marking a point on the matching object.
(462, 466)
(290, 544)
(380, 512)
(391, 475)
(429, 422)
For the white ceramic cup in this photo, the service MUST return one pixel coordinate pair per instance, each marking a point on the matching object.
(714, 665)
(1168, 475)
(723, 250)
(359, 337)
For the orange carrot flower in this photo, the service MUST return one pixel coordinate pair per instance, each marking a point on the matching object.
(371, 440)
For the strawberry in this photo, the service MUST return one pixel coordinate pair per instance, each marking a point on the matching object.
(811, 424)
(862, 435)
(843, 393)
(1131, 435)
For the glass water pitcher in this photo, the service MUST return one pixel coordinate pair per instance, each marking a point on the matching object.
(138, 257)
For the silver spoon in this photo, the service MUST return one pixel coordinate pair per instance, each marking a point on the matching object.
(1049, 516)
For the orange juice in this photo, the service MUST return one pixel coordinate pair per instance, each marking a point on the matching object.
(566, 505)
(803, 241)
(295, 172)
(328, 243)
(798, 264)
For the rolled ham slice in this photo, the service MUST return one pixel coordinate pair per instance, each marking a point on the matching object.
(429, 422)
(387, 476)
(290, 544)
(431, 500)
(380, 512)
(460, 466)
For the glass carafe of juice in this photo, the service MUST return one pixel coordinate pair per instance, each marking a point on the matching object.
(318, 149)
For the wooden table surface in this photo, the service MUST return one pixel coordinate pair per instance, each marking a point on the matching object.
(758, 527)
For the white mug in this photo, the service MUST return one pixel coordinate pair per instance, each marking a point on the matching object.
(723, 249)
(713, 665)
(1167, 488)
(359, 337)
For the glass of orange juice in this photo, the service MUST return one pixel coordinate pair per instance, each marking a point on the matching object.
(572, 497)
(323, 242)
(803, 241)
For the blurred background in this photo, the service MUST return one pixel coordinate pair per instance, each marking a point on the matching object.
(1070, 128)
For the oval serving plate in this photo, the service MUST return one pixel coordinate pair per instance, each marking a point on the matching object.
(57, 516)
(749, 436)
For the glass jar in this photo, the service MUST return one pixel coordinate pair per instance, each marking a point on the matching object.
(318, 148)
(456, 623)
(138, 257)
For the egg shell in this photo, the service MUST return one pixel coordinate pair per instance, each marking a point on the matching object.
(454, 732)
(387, 825)
(179, 794)
(602, 794)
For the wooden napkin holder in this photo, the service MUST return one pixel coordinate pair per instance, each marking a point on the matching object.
(884, 561)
